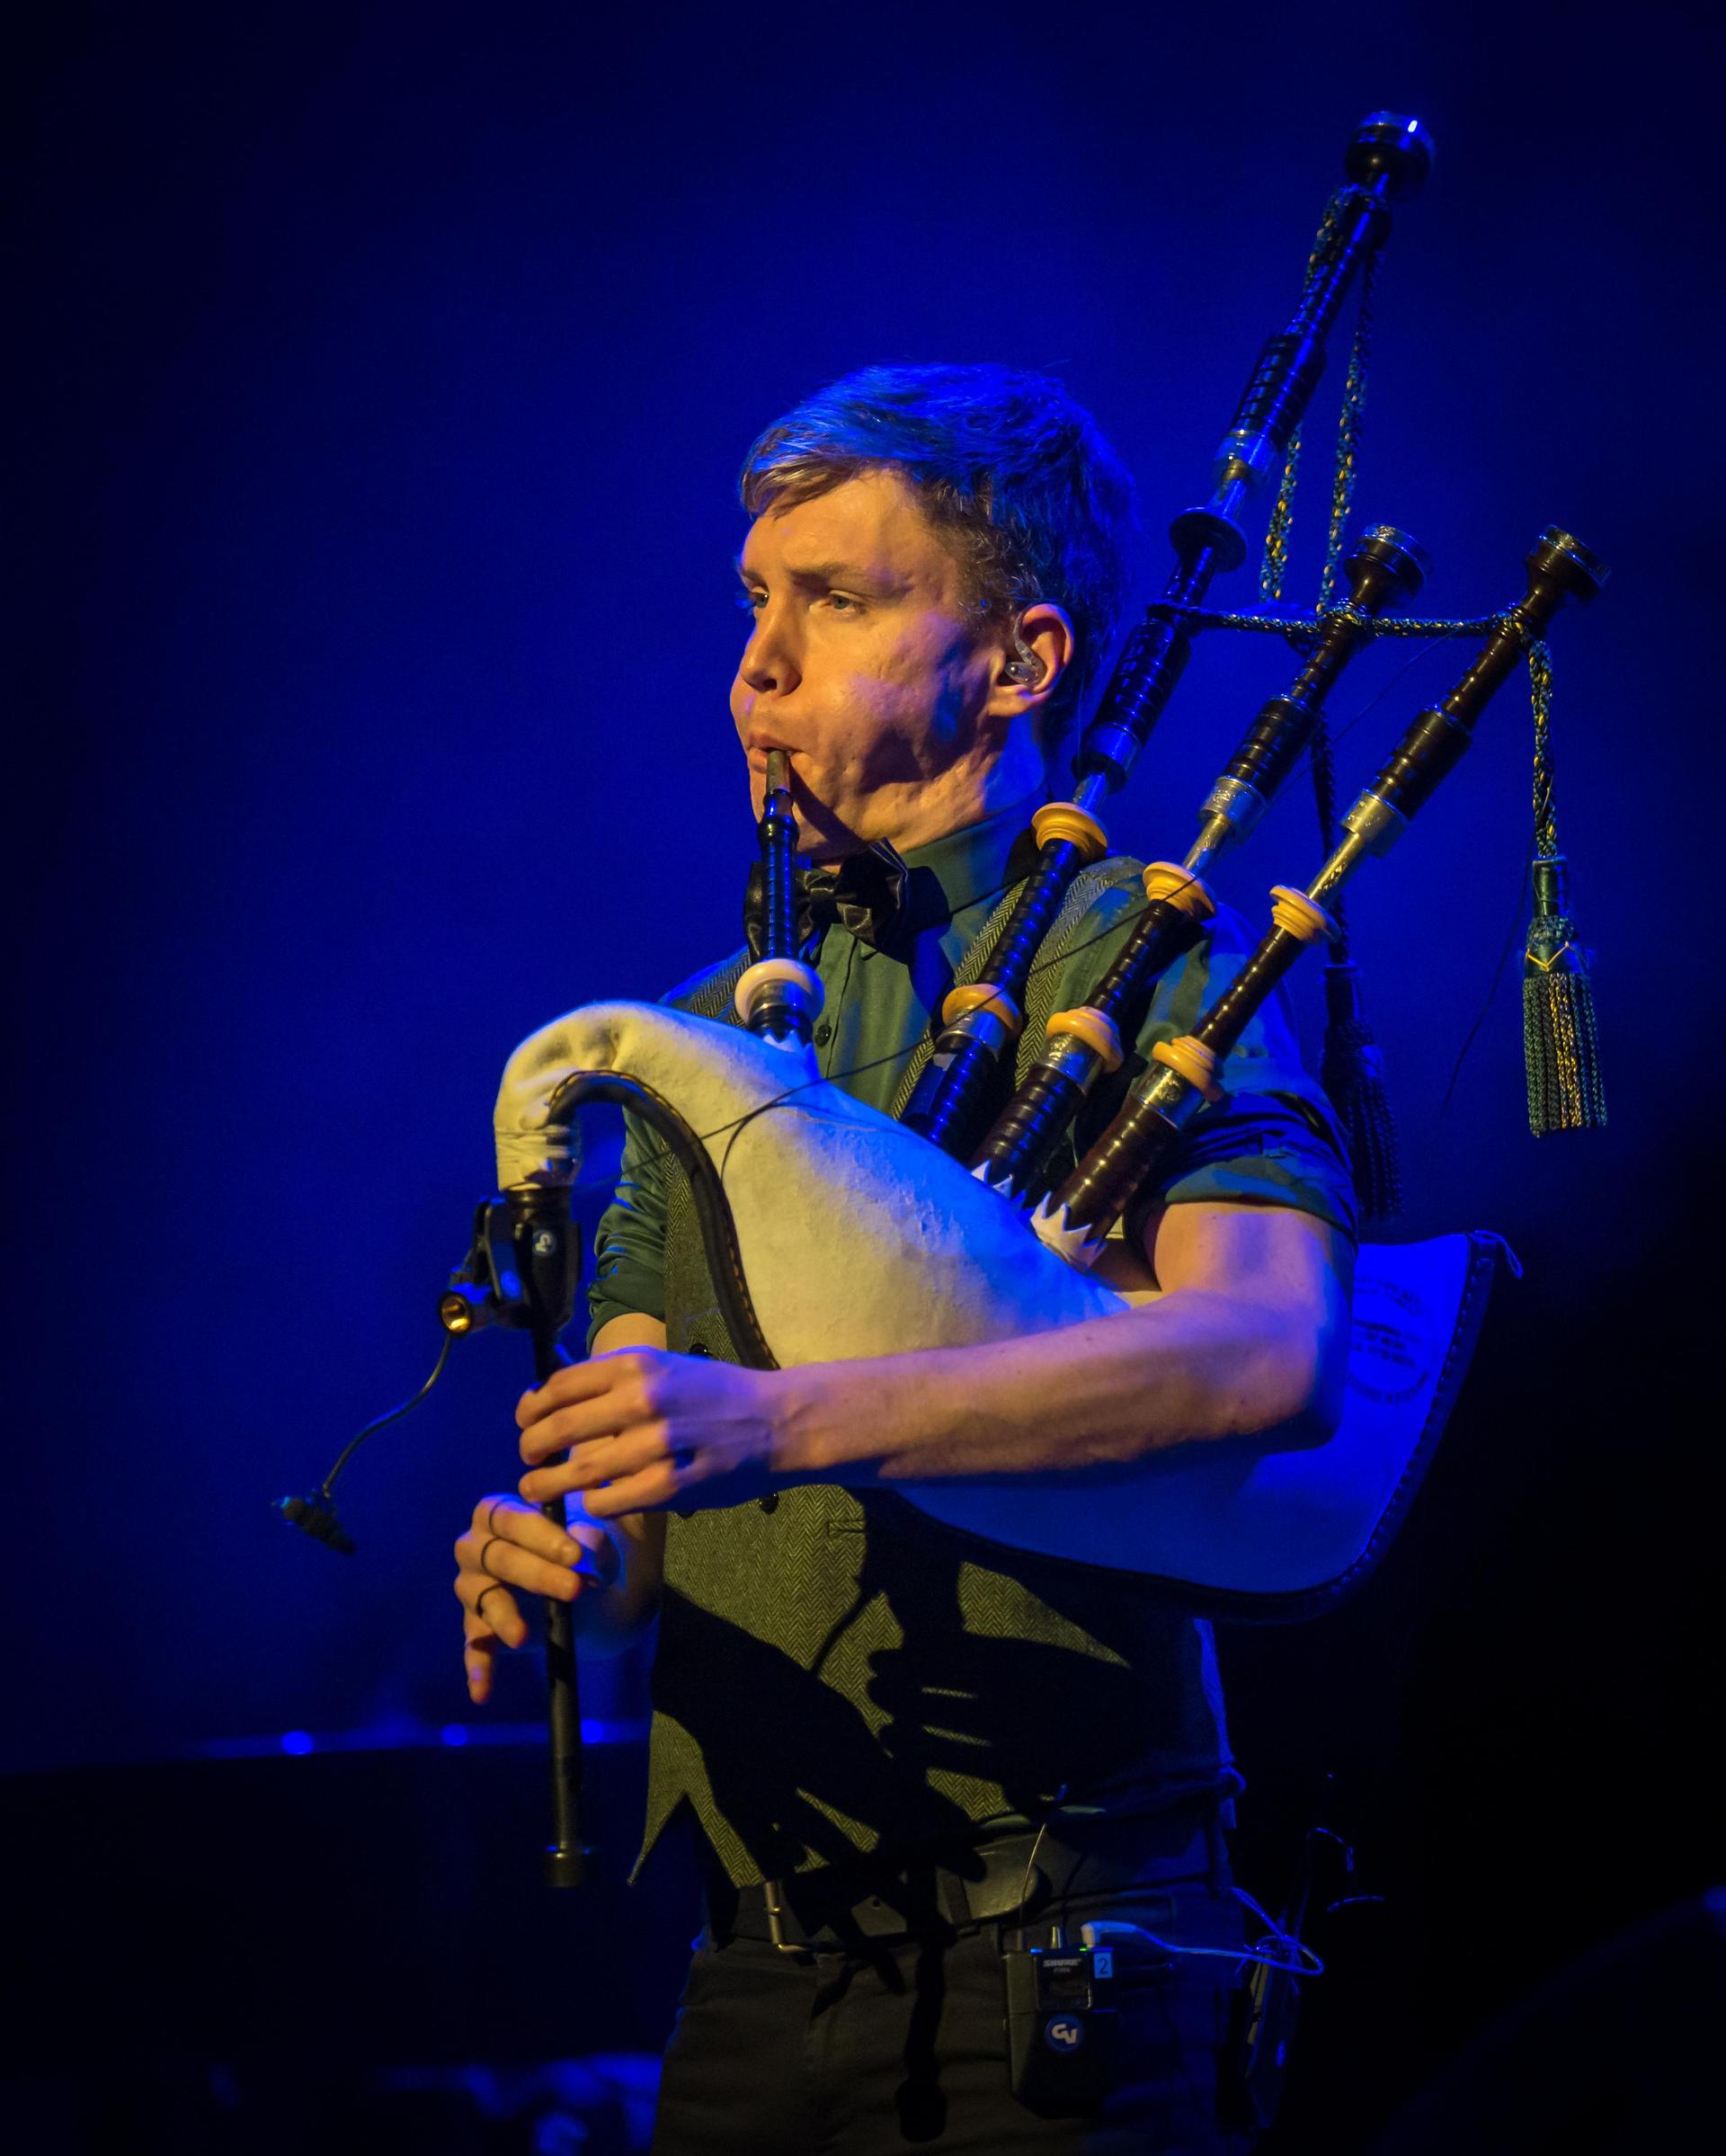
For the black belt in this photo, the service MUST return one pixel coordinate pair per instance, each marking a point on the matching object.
(1017, 1876)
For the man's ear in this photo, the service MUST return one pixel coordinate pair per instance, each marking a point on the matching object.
(1037, 648)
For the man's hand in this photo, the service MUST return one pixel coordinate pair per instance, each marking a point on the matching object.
(645, 1430)
(507, 1542)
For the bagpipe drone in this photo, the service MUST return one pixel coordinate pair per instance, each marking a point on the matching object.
(967, 1220)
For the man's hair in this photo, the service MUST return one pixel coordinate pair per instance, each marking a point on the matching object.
(1015, 476)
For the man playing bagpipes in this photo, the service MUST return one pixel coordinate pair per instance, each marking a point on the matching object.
(919, 1769)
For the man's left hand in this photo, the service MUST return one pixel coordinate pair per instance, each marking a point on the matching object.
(644, 1430)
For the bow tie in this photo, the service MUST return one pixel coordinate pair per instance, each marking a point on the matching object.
(865, 894)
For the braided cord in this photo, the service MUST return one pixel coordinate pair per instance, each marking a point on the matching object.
(1560, 1033)
(1540, 694)
(1274, 569)
(1349, 430)
(1297, 626)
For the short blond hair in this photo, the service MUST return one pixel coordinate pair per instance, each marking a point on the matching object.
(1017, 478)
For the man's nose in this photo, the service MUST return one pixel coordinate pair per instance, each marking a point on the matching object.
(769, 665)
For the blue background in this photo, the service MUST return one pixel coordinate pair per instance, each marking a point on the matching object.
(385, 373)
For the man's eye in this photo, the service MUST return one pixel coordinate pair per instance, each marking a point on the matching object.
(751, 602)
(842, 604)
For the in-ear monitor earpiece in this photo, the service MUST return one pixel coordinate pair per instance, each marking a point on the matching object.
(1026, 666)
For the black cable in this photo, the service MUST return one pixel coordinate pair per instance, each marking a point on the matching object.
(316, 1515)
(394, 1415)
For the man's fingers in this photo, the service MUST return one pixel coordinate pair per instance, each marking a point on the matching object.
(488, 1607)
(498, 1620)
(516, 1543)
(601, 1460)
(659, 1484)
(605, 1416)
(523, 1524)
(485, 1559)
(578, 1381)
(479, 1653)
(491, 1614)
(601, 1561)
(513, 1546)
(595, 1399)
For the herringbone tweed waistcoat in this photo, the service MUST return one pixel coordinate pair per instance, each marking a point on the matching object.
(836, 1677)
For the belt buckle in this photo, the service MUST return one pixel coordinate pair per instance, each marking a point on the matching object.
(770, 1892)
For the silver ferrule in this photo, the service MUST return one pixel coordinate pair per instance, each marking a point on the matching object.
(784, 1012)
(1113, 747)
(1252, 454)
(1238, 803)
(1376, 822)
(981, 1025)
(1227, 813)
(1173, 1097)
(1073, 1058)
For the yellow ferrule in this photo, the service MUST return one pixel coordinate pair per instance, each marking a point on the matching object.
(1190, 1059)
(1178, 886)
(1297, 914)
(1066, 820)
(1091, 1026)
(980, 995)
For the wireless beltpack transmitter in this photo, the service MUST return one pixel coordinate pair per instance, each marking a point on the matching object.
(1061, 2026)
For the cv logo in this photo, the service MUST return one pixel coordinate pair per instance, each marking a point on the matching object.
(1064, 2032)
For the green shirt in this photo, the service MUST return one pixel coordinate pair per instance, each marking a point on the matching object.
(837, 1680)
(1274, 1138)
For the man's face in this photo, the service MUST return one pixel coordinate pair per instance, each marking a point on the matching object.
(864, 660)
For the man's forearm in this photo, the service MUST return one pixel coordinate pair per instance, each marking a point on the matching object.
(1197, 1366)
(1247, 1339)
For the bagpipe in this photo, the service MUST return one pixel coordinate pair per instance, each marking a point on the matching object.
(967, 1216)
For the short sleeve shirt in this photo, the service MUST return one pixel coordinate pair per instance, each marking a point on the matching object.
(1273, 1138)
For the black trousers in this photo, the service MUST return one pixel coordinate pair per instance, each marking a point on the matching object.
(903, 2046)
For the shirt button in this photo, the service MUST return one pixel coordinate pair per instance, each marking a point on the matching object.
(823, 1032)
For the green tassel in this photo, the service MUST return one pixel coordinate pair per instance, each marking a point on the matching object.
(1352, 1073)
(1559, 1042)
